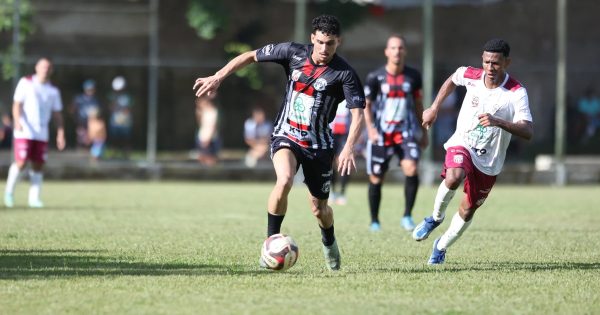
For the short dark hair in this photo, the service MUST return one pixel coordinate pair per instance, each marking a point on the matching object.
(328, 24)
(497, 45)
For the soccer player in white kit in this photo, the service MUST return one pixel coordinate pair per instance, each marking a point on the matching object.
(495, 107)
(35, 102)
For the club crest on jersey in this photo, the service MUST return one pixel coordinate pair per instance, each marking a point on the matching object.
(406, 87)
(458, 159)
(320, 84)
(268, 49)
(475, 101)
(296, 75)
(385, 88)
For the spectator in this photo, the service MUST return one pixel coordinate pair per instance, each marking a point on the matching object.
(120, 117)
(589, 106)
(6, 132)
(96, 134)
(257, 134)
(207, 138)
(82, 104)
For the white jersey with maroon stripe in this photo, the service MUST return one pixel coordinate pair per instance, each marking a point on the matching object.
(313, 93)
(39, 101)
(509, 102)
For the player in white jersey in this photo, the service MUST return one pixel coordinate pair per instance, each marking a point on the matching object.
(318, 80)
(35, 102)
(495, 107)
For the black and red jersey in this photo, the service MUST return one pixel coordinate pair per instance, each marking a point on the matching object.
(393, 104)
(312, 94)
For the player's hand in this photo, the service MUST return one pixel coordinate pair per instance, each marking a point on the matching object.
(346, 162)
(487, 120)
(429, 116)
(206, 86)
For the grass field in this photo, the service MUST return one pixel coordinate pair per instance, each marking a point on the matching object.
(192, 248)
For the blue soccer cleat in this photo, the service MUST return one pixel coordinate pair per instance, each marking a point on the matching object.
(9, 200)
(437, 256)
(408, 223)
(425, 228)
(375, 227)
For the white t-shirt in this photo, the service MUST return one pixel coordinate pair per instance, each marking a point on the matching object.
(39, 101)
(487, 144)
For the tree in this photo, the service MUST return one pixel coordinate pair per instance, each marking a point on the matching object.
(7, 9)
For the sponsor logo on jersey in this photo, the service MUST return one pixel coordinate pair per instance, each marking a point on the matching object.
(284, 144)
(357, 99)
(320, 84)
(296, 75)
(298, 105)
(458, 159)
(480, 201)
(267, 50)
(297, 58)
(475, 101)
(328, 174)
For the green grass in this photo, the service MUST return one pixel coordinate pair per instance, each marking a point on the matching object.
(192, 248)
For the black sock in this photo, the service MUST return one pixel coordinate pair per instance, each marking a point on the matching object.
(274, 224)
(327, 235)
(374, 200)
(411, 185)
(343, 183)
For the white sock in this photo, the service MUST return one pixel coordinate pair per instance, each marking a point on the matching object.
(13, 178)
(36, 186)
(455, 230)
(442, 199)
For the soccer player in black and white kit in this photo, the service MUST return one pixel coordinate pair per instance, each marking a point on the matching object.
(318, 80)
(394, 106)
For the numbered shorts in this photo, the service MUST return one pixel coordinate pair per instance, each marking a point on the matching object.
(378, 157)
(316, 165)
(477, 185)
(31, 150)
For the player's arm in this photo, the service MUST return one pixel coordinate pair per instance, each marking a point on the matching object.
(369, 123)
(346, 158)
(60, 130)
(521, 128)
(430, 114)
(16, 111)
(210, 84)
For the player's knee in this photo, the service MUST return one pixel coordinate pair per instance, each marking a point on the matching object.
(467, 214)
(285, 183)
(453, 180)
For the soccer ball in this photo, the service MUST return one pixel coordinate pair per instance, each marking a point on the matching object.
(279, 252)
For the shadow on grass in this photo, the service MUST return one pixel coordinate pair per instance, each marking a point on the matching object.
(25, 264)
(500, 266)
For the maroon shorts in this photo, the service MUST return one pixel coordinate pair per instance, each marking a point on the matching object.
(477, 185)
(32, 150)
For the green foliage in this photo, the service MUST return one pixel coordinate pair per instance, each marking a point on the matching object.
(192, 248)
(6, 25)
(250, 72)
(207, 17)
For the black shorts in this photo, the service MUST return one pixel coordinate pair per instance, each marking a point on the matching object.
(317, 165)
(378, 157)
